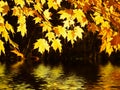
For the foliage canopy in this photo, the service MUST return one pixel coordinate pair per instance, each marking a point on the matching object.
(75, 16)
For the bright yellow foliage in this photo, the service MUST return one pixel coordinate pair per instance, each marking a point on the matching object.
(100, 16)
(57, 45)
(2, 49)
(50, 36)
(42, 45)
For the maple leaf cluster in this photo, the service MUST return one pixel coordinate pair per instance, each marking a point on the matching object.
(76, 16)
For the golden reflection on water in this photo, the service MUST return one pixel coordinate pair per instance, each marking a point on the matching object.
(56, 80)
(109, 77)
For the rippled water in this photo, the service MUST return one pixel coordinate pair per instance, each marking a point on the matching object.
(60, 77)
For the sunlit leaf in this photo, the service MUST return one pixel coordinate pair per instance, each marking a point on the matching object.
(46, 26)
(43, 1)
(71, 36)
(78, 32)
(51, 36)
(22, 28)
(38, 7)
(20, 2)
(42, 45)
(5, 34)
(52, 3)
(37, 20)
(57, 45)
(16, 11)
(98, 18)
(2, 49)
(47, 14)
(9, 27)
(60, 31)
(109, 48)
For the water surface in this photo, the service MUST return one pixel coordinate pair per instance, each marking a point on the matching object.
(67, 76)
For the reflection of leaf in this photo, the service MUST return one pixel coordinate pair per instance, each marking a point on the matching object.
(42, 45)
(57, 45)
(2, 49)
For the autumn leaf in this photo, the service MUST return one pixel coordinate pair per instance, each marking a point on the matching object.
(38, 7)
(22, 28)
(51, 36)
(64, 14)
(71, 36)
(60, 31)
(2, 49)
(57, 45)
(52, 3)
(98, 18)
(5, 34)
(92, 27)
(80, 16)
(115, 40)
(19, 2)
(43, 1)
(109, 48)
(9, 27)
(42, 45)
(47, 14)
(46, 26)
(37, 20)
(78, 32)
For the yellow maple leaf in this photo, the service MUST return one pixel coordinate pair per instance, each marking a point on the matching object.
(29, 1)
(43, 1)
(46, 26)
(51, 36)
(98, 18)
(42, 45)
(2, 49)
(57, 45)
(20, 2)
(52, 3)
(78, 31)
(9, 27)
(71, 36)
(22, 28)
(109, 48)
(80, 16)
(47, 14)
(38, 7)
(21, 19)
(4, 7)
(62, 31)
(5, 35)
(37, 20)
(1, 19)
(64, 14)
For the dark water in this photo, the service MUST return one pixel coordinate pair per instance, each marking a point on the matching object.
(67, 76)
